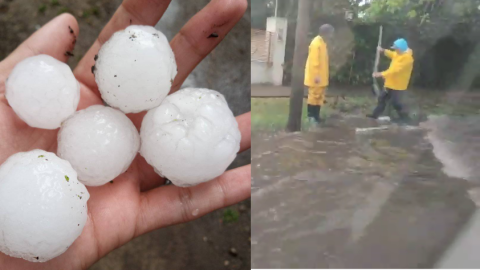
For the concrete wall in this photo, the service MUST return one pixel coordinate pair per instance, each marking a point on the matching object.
(261, 73)
(272, 73)
(279, 42)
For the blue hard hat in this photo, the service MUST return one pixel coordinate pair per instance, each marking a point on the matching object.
(400, 44)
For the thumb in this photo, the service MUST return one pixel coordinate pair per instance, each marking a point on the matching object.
(57, 38)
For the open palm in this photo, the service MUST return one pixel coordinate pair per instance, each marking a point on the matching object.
(136, 202)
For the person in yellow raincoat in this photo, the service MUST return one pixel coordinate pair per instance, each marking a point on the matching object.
(317, 72)
(397, 78)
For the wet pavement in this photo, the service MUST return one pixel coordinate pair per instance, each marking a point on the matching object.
(337, 198)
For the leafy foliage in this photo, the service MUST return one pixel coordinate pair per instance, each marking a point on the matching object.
(442, 33)
(426, 23)
(418, 13)
(230, 215)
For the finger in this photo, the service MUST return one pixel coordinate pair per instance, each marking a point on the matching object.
(87, 99)
(140, 12)
(56, 38)
(170, 205)
(244, 124)
(198, 38)
(193, 43)
(150, 179)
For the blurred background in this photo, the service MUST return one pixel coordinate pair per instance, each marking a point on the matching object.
(358, 193)
(219, 240)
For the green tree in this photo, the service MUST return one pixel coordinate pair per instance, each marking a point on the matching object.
(418, 11)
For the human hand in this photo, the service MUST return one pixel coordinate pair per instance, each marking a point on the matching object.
(380, 49)
(134, 203)
(317, 80)
(377, 74)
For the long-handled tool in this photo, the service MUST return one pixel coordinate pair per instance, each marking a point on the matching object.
(377, 90)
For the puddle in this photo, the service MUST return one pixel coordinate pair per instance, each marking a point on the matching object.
(456, 143)
(394, 198)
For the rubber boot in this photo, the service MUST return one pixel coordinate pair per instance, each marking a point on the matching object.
(317, 113)
(311, 113)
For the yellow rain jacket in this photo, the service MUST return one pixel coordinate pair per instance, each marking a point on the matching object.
(397, 76)
(317, 63)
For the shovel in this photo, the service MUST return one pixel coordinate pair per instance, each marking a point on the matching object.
(376, 89)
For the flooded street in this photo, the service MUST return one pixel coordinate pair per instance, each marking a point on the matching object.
(337, 198)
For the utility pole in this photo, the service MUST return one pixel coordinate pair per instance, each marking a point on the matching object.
(276, 8)
(300, 52)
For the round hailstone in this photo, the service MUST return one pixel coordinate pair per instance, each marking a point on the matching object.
(135, 69)
(100, 142)
(191, 138)
(43, 207)
(42, 91)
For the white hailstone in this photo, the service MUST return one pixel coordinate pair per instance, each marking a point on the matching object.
(100, 142)
(135, 68)
(42, 91)
(192, 137)
(43, 207)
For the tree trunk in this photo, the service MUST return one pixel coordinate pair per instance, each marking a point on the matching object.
(299, 59)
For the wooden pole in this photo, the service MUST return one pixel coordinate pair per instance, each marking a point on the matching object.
(299, 59)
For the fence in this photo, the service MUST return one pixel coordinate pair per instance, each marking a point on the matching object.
(261, 46)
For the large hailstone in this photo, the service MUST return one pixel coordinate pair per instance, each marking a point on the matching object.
(100, 142)
(42, 91)
(43, 207)
(135, 69)
(191, 138)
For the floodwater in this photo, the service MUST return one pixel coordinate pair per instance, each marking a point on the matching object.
(337, 198)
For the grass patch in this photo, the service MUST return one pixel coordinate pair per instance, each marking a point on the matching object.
(86, 14)
(451, 109)
(63, 10)
(230, 215)
(95, 11)
(91, 11)
(272, 113)
(42, 8)
(54, 3)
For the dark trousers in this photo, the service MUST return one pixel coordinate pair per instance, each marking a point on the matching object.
(313, 111)
(395, 96)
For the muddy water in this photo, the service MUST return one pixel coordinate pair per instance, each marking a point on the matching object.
(394, 198)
